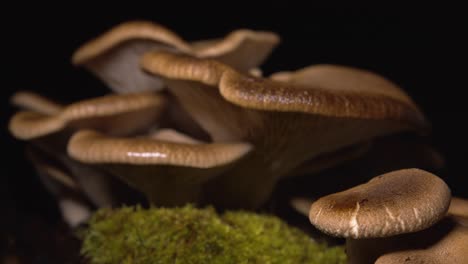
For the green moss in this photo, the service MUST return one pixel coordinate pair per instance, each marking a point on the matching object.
(190, 235)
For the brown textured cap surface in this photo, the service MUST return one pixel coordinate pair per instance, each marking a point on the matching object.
(327, 90)
(394, 203)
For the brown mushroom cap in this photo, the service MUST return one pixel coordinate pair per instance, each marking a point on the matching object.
(104, 113)
(114, 56)
(398, 202)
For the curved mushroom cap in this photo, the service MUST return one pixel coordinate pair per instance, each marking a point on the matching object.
(398, 202)
(105, 113)
(115, 55)
(168, 167)
(328, 90)
(93, 147)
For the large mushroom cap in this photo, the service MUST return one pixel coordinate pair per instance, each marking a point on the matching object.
(398, 202)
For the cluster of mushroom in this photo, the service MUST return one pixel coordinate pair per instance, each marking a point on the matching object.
(196, 122)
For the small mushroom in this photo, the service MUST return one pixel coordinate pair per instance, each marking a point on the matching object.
(115, 55)
(137, 111)
(394, 203)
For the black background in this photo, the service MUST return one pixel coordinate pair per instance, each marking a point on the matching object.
(419, 48)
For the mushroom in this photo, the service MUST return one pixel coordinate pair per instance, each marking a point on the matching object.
(114, 56)
(394, 218)
(136, 110)
(394, 203)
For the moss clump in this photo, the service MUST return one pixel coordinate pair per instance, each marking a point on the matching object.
(190, 235)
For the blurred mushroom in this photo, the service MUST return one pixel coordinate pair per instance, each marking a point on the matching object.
(47, 126)
(107, 113)
(73, 205)
(114, 56)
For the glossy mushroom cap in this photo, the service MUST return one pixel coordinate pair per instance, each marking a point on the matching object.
(395, 203)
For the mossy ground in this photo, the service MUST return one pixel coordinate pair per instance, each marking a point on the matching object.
(190, 235)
